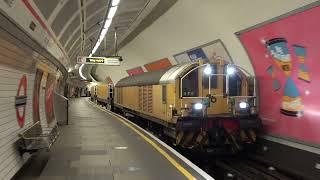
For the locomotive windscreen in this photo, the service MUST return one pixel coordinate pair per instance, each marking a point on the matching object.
(190, 85)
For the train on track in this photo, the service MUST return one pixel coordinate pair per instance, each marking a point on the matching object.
(209, 107)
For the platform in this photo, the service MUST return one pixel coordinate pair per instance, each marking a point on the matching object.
(97, 145)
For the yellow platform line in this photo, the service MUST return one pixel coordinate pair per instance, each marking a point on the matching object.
(153, 144)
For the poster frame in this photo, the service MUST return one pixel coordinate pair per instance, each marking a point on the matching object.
(264, 23)
(205, 45)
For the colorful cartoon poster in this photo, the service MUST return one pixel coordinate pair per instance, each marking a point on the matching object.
(209, 52)
(49, 95)
(286, 59)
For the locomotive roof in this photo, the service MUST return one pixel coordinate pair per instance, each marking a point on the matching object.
(163, 76)
(147, 78)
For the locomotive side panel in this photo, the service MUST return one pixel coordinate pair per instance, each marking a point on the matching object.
(130, 97)
(102, 93)
(172, 97)
(159, 105)
(152, 100)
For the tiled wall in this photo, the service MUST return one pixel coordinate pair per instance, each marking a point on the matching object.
(10, 159)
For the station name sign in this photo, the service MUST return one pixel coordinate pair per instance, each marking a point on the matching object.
(109, 60)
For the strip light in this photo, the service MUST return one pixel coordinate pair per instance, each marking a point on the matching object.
(80, 72)
(107, 24)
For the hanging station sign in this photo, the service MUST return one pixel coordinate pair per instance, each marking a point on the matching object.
(109, 60)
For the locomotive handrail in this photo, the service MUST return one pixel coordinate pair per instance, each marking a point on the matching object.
(62, 104)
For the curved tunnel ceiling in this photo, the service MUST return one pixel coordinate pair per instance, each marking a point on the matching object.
(189, 25)
(77, 23)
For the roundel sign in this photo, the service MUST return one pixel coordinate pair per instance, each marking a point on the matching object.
(21, 101)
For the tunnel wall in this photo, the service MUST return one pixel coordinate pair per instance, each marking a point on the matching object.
(20, 60)
(188, 24)
(24, 13)
(10, 158)
(15, 68)
(17, 81)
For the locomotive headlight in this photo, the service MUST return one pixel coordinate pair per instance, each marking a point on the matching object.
(231, 70)
(207, 70)
(243, 105)
(198, 106)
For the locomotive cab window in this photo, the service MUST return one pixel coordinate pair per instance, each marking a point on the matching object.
(190, 85)
(235, 85)
(213, 78)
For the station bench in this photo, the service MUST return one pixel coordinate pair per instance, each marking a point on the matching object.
(36, 138)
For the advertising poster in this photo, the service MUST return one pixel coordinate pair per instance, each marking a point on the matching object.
(157, 65)
(49, 95)
(108, 80)
(36, 95)
(207, 52)
(21, 101)
(135, 71)
(286, 58)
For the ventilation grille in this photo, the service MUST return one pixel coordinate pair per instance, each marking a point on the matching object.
(145, 98)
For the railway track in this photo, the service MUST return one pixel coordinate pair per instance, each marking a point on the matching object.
(239, 168)
(242, 167)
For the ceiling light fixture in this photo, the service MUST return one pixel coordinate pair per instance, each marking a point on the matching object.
(107, 24)
(112, 12)
(115, 2)
(80, 72)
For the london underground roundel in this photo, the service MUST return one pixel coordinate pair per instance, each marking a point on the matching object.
(21, 101)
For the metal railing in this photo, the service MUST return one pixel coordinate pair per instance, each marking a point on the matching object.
(61, 109)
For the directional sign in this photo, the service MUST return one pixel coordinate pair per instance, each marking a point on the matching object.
(109, 60)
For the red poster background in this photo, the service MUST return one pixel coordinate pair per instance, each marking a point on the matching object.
(49, 94)
(157, 65)
(300, 29)
(135, 71)
(36, 92)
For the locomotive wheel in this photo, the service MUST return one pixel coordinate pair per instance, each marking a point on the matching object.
(235, 147)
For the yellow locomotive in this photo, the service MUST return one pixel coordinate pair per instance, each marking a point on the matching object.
(201, 106)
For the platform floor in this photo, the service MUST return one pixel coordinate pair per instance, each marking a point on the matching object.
(97, 146)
